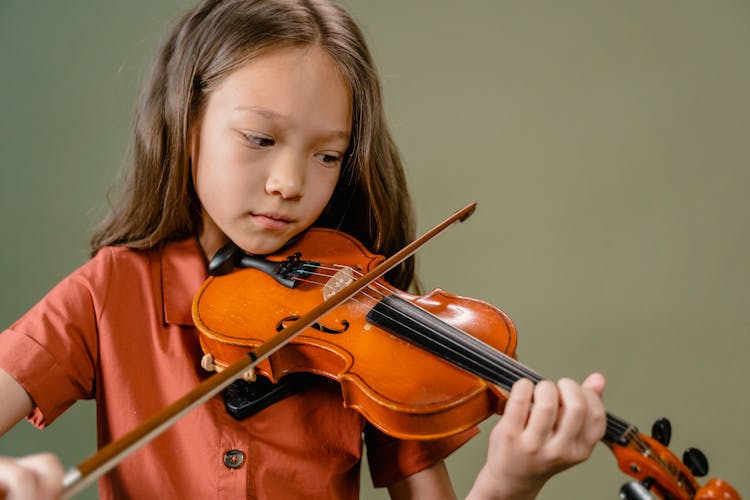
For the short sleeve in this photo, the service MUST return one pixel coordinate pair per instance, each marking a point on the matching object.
(392, 459)
(52, 349)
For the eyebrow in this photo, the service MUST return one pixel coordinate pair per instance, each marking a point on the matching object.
(259, 110)
(270, 114)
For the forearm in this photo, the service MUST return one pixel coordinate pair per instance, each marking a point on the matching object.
(16, 402)
(433, 483)
(34, 476)
(488, 488)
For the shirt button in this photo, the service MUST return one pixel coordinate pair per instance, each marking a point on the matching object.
(233, 459)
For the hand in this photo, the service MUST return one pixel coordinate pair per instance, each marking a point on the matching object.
(545, 429)
(35, 477)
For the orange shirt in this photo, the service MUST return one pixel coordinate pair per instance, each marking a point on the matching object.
(119, 330)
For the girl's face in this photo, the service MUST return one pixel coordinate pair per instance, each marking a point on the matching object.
(268, 149)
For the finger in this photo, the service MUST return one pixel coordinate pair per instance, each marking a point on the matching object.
(596, 383)
(16, 481)
(572, 414)
(596, 417)
(49, 473)
(544, 410)
(518, 406)
(33, 477)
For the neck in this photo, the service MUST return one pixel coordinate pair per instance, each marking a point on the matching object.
(211, 238)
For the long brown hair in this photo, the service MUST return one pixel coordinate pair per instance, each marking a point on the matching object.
(158, 202)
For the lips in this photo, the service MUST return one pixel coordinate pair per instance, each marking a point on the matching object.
(272, 220)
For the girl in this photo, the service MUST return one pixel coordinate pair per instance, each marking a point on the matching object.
(259, 120)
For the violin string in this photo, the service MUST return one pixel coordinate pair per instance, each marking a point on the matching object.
(491, 357)
(463, 342)
(613, 422)
(616, 423)
(488, 354)
(479, 347)
(517, 369)
(506, 370)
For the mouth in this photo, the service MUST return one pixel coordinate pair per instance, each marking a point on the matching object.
(271, 220)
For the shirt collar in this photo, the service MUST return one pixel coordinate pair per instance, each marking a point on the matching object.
(183, 271)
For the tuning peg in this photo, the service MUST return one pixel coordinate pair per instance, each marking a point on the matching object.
(695, 461)
(662, 431)
(635, 491)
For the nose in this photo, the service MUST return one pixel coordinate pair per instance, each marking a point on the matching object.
(286, 177)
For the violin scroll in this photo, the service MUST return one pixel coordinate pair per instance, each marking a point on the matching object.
(717, 489)
(660, 472)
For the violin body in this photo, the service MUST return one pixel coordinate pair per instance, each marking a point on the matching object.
(381, 376)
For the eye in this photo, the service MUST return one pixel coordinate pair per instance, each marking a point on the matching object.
(329, 159)
(259, 141)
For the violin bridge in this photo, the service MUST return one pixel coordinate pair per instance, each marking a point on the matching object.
(338, 281)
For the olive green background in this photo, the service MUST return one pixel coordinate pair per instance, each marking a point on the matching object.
(606, 142)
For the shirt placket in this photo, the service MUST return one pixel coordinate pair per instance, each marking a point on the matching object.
(231, 457)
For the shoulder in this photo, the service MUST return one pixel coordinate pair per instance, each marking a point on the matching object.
(131, 262)
(111, 263)
(120, 257)
(169, 275)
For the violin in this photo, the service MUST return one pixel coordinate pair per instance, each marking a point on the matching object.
(375, 345)
(417, 367)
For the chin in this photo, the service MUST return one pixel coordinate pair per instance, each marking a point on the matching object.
(265, 247)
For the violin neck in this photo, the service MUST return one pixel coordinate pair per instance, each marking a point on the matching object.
(423, 329)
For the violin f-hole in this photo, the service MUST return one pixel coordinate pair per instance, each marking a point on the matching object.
(321, 328)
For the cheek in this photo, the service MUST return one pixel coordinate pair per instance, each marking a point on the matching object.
(208, 181)
(223, 176)
(324, 187)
